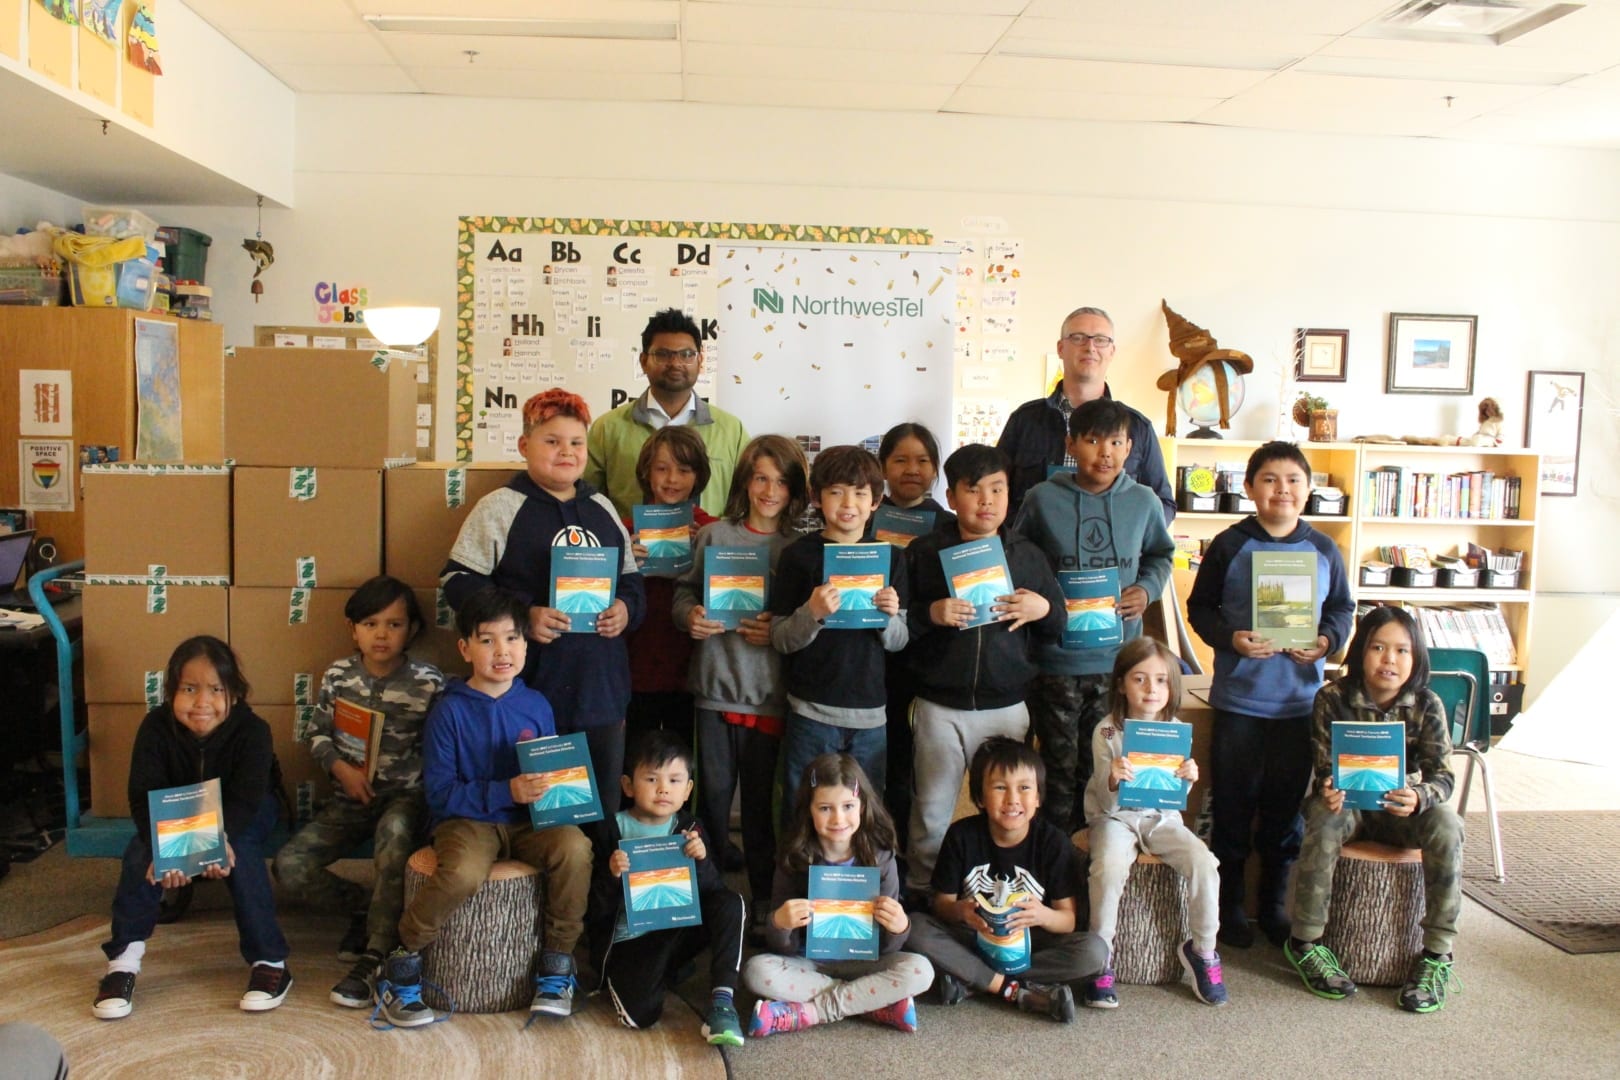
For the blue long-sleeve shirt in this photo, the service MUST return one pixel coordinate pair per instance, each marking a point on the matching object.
(469, 751)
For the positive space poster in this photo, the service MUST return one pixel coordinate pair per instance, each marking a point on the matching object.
(545, 302)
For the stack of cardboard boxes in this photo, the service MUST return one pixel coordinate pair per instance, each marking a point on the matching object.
(266, 551)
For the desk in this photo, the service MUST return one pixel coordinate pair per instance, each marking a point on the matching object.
(28, 681)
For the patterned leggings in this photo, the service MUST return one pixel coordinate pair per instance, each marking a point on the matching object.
(841, 989)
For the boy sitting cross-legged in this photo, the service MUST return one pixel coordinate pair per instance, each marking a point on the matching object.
(477, 804)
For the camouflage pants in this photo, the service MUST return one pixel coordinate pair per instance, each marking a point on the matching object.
(1064, 710)
(394, 822)
(1438, 831)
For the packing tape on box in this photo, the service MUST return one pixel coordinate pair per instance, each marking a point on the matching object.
(298, 607)
(304, 571)
(162, 579)
(301, 483)
(303, 688)
(380, 360)
(152, 689)
(157, 598)
(149, 468)
(444, 616)
(455, 487)
(230, 351)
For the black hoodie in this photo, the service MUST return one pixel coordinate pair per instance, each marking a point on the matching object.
(167, 754)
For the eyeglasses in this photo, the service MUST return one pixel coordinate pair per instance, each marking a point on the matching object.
(1078, 340)
(669, 356)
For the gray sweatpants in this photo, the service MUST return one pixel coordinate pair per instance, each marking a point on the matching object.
(1115, 840)
(840, 989)
(944, 740)
(1054, 958)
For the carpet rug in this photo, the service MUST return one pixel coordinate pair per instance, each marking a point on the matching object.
(186, 1022)
(1563, 882)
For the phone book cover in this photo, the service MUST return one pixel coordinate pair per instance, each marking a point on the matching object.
(583, 581)
(571, 796)
(859, 571)
(735, 583)
(188, 828)
(1005, 948)
(666, 533)
(1284, 586)
(357, 733)
(1091, 602)
(1156, 750)
(977, 572)
(1368, 761)
(893, 525)
(660, 888)
(841, 922)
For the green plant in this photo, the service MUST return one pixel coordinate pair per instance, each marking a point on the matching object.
(1306, 404)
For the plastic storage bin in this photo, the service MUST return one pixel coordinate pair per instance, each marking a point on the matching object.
(129, 284)
(185, 253)
(118, 222)
(33, 285)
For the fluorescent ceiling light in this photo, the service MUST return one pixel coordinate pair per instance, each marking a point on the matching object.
(603, 29)
(1130, 54)
(1466, 22)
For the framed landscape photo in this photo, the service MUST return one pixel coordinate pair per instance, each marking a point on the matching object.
(1320, 355)
(1431, 354)
(1552, 426)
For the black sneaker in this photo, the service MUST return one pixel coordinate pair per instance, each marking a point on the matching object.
(115, 997)
(1235, 929)
(358, 989)
(1054, 999)
(949, 989)
(1428, 983)
(1277, 928)
(355, 938)
(1100, 993)
(399, 992)
(267, 988)
(1319, 969)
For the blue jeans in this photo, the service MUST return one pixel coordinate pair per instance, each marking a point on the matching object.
(1261, 767)
(135, 904)
(806, 739)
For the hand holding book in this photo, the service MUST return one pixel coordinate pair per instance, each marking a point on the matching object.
(352, 780)
(176, 879)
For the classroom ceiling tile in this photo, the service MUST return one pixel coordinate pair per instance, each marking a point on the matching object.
(1269, 16)
(572, 86)
(310, 16)
(346, 79)
(1057, 105)
(913, 7)
(520, 9)
(1301, 101)
(572, 54)
(1187, 45)
(837, 28)
(1109, 78)
(784, 93)
(272, 47)
(765, 61)
(1563, 116)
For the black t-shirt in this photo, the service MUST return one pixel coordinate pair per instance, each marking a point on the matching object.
(971, 864)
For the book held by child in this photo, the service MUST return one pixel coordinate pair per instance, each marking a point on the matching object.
(572, 797)
(583, 581)
(893, 525)
(977, 572)
(666, 532)
(735, 583)
(841, 922)
(1369, 760)
(357, 733)
(660, 888)
(859, 571)
(1091, 598)
(1285, 598)
(188, 828)
(1155, 750)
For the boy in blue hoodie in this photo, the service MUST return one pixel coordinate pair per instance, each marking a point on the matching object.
(1093, 518)
(478, 806)
(507, 540)
(1261, 752)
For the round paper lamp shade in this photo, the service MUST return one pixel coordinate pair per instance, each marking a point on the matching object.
(401, 327)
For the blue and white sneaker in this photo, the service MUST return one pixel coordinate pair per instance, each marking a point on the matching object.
(1206, 974)
(555, 985)
(399, 992)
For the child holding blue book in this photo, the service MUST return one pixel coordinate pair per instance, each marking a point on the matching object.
(1386, 679)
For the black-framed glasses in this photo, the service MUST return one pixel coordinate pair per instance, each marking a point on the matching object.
(1079, 340)
(669, 356)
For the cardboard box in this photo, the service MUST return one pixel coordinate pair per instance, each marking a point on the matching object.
(274, 650)
(436, 644)
(130, 510)
(423, 508)
(330, 408)
(297, 767)
(276, 523)
(127, 633)
(111, 739)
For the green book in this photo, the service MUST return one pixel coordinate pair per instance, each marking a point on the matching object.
(1285, 597)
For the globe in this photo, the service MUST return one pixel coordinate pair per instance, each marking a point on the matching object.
(1199, 400)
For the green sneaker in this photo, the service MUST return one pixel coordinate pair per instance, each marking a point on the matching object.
(723, 1028)
(1427, 984)
(1320, 969)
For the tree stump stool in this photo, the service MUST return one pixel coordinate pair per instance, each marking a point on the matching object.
(1152, 920)
(483, 958)
(1373, 917)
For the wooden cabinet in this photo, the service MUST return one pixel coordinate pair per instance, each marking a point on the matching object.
(97, 346)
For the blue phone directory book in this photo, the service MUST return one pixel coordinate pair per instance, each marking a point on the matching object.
(666, 532)
(583, 581)
(572, 797)
(736, 582)
(1156, 750)
(660, 888)
(859, 571)
(977, 572)
(1368, 761)
(188, 828)
(841, 923)
(1091, 598)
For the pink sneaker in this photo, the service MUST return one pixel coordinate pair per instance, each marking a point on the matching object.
(902, 1015)
(776, 1017)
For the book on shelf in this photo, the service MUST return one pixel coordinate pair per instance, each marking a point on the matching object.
(1479, 626)
(583, 583)
(736, 583)
(842, 926)
(571, 796)
(357, 733)
(1284, 594)
(1396, 491)
(1369, 759)
(1091, 605)
(893, 525)
(977, 572)
(666, 532)
(660, 888)
(1155, 750)
(188, 828)
(859, 571)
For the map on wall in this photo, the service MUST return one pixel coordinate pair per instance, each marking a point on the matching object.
(157, 390)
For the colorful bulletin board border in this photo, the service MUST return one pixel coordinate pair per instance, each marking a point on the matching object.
(469, 227)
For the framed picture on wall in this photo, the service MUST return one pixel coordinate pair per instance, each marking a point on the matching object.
(1320, 355)
(1431, 354)
(1552, 426)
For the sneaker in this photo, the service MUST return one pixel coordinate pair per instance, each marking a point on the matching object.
(115, 997)
(1276, 928)
(355, 938)
(951, 990)
(722, 1026)
(901, 1015)
(1100, 991)
(267, 987)
(776, 1017)
(1427, 984)
(1206, 974)
(1235, 930)
(358, 989)
(1054, 999)
(1320, 969)
(555, 985)
(399, 992)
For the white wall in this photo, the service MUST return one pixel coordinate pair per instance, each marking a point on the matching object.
(24, 205)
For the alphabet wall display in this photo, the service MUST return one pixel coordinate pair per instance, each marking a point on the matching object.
(545, 302)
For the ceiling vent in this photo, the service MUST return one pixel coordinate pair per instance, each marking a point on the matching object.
(1466, 22)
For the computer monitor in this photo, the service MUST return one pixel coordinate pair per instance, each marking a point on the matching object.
(13, 554)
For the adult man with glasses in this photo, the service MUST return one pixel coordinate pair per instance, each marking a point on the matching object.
(1034, 436)
(672, 359)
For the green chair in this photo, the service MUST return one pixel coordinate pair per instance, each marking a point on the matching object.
(1461, 679)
